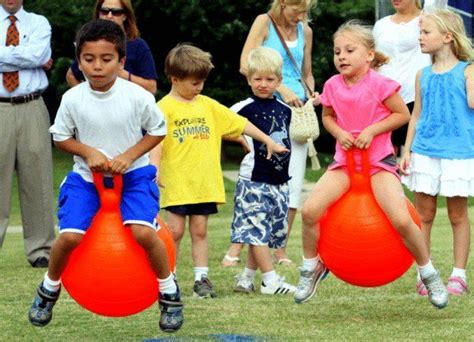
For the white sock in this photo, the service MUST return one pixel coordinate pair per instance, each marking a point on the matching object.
(310, 264)
(459, 272)
(199, 272)
(269, 277)
(426, 270)
(249, 273)
(167, 285)
(51, 285)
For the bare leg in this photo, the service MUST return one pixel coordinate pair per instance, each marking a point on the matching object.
(176, 225)
(330, 187)
(198, 231)
(458, 216)
(389, 195)
(426, 207)
(232, 253)
(154, 248)
(60, 252)
(260, 257)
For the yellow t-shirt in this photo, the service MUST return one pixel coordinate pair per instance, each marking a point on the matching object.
(190, 167)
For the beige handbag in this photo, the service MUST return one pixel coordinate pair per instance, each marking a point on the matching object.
(304, 125)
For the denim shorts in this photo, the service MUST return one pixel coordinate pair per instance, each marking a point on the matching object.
(79, 200)
(260, 214)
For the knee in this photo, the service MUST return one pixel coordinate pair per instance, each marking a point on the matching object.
(199, 234)
(427, 215)
(145, 236)
(309, 215)
(457, 218)
(69, 241)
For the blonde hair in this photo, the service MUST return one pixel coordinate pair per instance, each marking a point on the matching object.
(449, 22)
(130, 24)
(304, 5)
(186, 60)
(265, 60)
(363, 33)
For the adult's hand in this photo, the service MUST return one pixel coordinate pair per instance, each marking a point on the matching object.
(289, 97)
(48, 65)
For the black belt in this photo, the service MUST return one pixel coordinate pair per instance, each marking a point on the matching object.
(21, 99)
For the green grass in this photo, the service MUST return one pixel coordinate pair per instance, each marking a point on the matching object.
(338, 312)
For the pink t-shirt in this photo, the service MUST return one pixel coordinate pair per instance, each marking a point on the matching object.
(359, 106)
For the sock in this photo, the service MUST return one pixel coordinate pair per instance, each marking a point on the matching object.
(167, 285)
(269, 277)
(51, 285)
(249, 273)
(199, 272)
(310, 264)
(426, 270)
(459, 272)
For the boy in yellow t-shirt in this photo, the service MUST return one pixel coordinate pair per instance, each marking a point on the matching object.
(189, 156)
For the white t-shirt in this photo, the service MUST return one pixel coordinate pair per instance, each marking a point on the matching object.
(110, 121)
(400, 43)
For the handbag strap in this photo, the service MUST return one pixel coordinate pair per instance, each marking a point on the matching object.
(285, 46)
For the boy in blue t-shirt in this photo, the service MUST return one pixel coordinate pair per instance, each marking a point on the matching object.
(261, 195)
(100, 122)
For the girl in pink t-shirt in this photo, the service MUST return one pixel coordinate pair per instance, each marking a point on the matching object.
(360, 109)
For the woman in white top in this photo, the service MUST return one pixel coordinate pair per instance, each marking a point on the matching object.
(397, 37)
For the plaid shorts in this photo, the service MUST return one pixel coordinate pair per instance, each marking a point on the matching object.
(260, 214)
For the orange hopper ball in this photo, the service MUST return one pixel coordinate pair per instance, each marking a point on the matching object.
(108, 273)
(357, 242)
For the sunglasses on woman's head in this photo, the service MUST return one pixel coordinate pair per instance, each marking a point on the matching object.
(115, 11)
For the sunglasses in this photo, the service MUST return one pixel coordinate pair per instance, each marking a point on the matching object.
(115, 11)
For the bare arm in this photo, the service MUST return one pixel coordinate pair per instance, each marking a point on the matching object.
(95, 159)
(415, 115)
(122, 162)
(257, 134)
(470, 85)
(240, 140)
(345, 138)
(147, 84)
(257, 34)
(71, 80)
(400, 116)
(307, 71)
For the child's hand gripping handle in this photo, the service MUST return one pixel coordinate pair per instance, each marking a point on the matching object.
(109, 198)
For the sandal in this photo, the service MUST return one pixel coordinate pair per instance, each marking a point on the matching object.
(282, 261)
(230, 261)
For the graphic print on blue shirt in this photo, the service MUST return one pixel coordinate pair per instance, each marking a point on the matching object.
(272, 117)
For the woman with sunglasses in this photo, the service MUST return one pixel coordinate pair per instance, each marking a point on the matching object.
(139, 64)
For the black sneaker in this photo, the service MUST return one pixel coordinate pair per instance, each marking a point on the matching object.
(171, 308)
(41, 311)
(203, 288)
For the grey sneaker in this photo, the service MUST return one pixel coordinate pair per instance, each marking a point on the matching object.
(437, 292)
(171, 309)
(243, 283)
(308, 282)
(203, 288)
(41, 311)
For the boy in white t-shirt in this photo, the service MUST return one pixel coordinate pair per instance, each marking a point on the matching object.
(100, 122)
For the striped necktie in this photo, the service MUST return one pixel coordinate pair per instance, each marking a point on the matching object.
(11, 79)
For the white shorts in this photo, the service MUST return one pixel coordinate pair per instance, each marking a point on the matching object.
(445, 177)
(296, 170)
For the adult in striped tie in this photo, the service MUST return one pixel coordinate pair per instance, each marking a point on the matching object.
(25, 146)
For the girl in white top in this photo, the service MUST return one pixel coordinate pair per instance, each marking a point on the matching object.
(397, 37)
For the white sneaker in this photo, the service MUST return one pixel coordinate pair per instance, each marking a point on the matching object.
(243, 283)
(437, 292)
(277, 287)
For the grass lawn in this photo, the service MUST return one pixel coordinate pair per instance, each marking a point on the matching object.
(338, 312)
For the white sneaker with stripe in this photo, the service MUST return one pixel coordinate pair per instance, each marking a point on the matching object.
(277, 287)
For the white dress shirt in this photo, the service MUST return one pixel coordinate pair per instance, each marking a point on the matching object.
(29, 56)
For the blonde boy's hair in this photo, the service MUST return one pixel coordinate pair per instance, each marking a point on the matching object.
(363, 33)
(265, 60)
(186, 60)
(448, 21)
(304, 5)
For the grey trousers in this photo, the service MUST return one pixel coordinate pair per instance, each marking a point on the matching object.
(25, 147)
